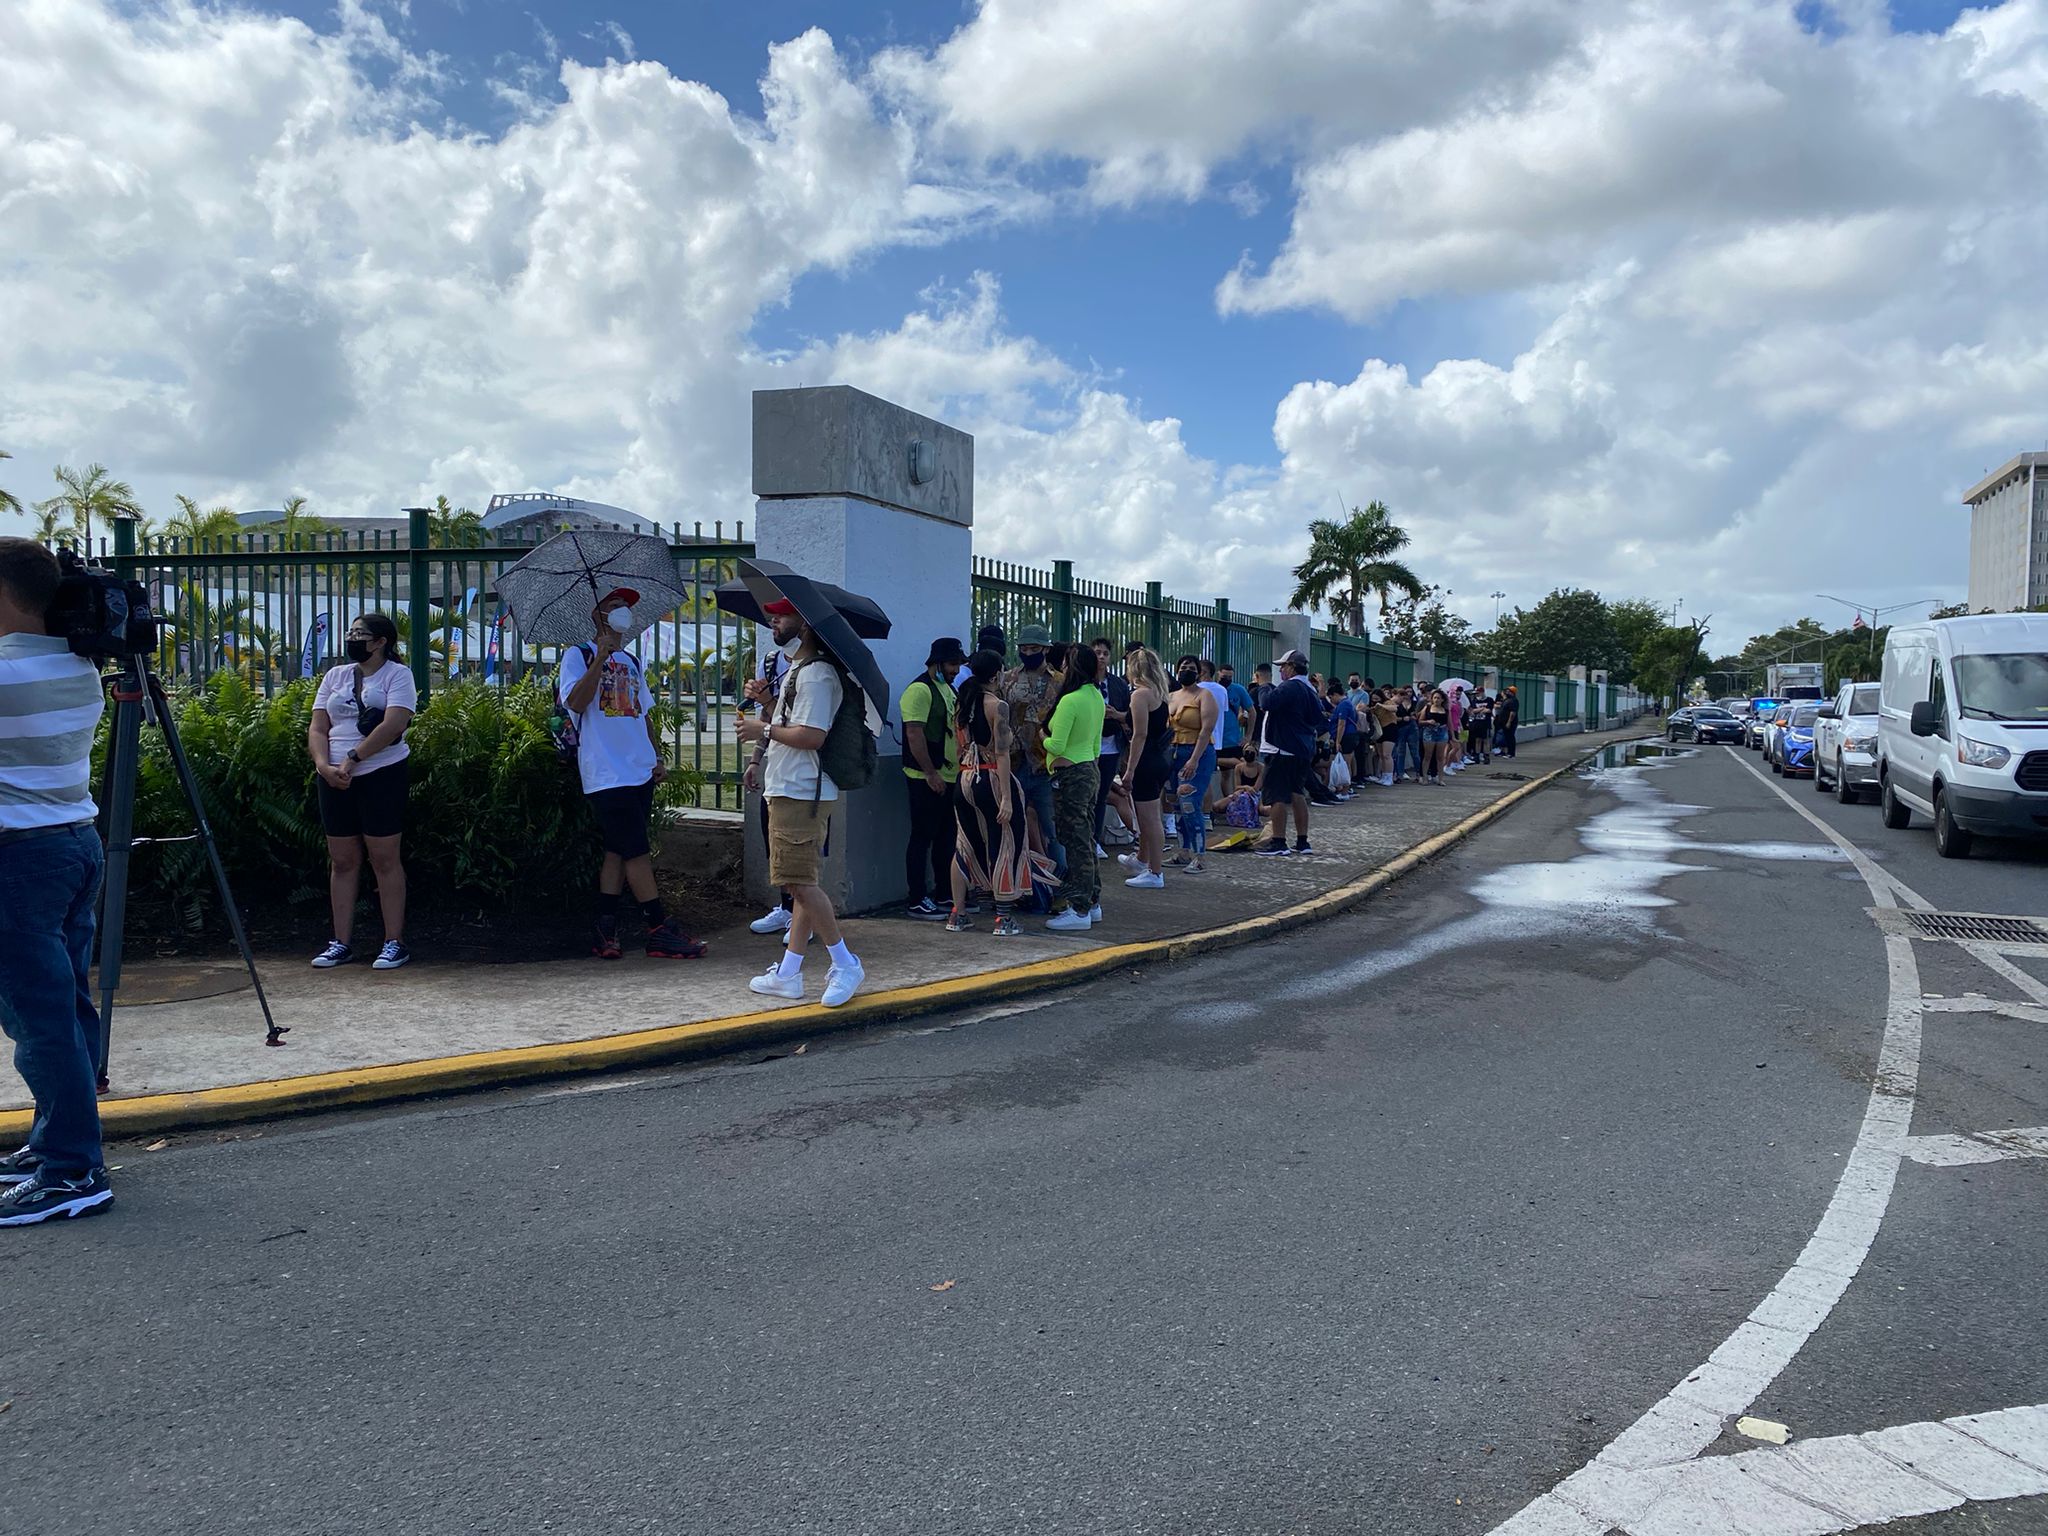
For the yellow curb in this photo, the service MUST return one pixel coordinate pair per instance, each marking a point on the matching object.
(710, 1037)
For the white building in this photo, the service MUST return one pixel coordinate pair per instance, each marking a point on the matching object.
(530, 513)
(2009, 535)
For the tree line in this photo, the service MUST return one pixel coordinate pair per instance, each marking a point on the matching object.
(1355, 563)
(89, 501)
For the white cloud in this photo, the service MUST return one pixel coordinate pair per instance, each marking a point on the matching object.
(1761, 301)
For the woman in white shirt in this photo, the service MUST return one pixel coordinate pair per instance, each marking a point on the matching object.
(357, 743)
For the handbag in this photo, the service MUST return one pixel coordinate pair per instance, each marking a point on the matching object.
(370, 716)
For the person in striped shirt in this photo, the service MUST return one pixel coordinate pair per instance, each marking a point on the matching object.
(50, 868)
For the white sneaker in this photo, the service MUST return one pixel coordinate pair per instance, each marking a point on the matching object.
(1129, 861)
(841, 982)
(1147, 882)
(1094, 916)
(1070, 921)
(1101, 852)
(772, 983)
(775, 920)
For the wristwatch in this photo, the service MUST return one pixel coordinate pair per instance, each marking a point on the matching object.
(354, 756)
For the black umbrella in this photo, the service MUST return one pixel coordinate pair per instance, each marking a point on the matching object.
(772, 582)
(861, 614)
(553, 587)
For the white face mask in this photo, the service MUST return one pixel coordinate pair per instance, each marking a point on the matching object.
(620, 619)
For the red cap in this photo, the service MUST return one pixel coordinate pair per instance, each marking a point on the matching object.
(781, 608)
(626, 592)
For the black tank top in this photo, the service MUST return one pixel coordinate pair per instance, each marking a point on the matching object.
(1156, 738)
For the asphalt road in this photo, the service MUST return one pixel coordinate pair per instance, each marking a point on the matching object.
(1388, 1226)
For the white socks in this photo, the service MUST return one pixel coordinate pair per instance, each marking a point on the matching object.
(792, 963)
(841, 955)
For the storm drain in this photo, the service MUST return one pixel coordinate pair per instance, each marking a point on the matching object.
(1974, 928)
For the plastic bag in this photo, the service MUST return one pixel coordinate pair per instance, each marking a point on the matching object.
(1340, 774)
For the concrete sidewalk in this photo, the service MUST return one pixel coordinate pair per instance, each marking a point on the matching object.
(202, 1030)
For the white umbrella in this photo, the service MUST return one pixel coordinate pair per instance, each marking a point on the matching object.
(1456, 682)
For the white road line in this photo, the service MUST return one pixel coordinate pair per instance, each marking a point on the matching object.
(1815, 1487)
(2027, 1013)
(2012, 973)
(1978, 1147)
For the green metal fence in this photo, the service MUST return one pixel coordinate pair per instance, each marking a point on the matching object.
(1338, 655)
(1014, 595)
(253, 605)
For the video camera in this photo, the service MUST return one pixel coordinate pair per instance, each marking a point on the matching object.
(99, 614)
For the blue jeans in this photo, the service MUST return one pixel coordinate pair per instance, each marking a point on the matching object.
(1408, 748)
(49, 889)
(1194, 793)
(1037, 789)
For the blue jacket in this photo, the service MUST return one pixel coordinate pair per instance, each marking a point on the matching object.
(1293, 717)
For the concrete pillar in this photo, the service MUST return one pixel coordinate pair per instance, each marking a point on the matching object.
(854, 490)
(1425, 666)
(1290, 633)
(1489, 679)
(1596, 688)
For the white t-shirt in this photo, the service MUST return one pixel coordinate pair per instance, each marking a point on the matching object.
(389, 687)
(810, 696)
(1221, 695)
(613, 749)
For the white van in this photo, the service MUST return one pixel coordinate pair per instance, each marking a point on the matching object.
(1962, 732)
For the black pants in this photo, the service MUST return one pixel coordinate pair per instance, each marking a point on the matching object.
(930, 852)
(1107, 767)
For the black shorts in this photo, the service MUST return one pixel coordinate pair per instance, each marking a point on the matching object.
(373, 805)
(1286, 779)
(622, 815)
(1148, 779)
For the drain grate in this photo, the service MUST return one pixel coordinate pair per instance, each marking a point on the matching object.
(1971, 928)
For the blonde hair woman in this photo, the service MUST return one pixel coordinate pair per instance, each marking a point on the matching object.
(1136, 790)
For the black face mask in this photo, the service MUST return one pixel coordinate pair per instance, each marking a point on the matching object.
(1187, 679)
(1032, 662)
(358, 650)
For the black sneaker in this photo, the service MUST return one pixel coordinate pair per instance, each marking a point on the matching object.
(18, 1166)
(1273, 848)
(929, 911)
(47, 1196)
(1302, 849)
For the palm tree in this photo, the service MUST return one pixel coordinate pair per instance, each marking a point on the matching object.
(454, 527)
(1350, 560)
(297, 528)
(88, 494)
(9, 502)
(198, 528)
(200, 624)
(52, 526)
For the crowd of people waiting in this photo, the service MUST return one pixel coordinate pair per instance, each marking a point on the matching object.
(1012, 772)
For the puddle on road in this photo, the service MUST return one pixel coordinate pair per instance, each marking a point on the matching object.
(1610, 891)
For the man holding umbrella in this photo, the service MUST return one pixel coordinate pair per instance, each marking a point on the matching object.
(603, 689)
(795, 781)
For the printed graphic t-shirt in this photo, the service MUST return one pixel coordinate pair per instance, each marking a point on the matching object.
(613, 749)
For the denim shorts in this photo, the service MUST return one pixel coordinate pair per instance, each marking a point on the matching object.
(1436, 733)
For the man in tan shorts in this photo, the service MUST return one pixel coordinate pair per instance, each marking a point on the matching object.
(800, 797)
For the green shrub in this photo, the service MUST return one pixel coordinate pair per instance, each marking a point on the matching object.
(495, 817)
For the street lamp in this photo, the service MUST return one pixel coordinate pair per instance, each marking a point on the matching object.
(1496, 596)
(1873, 609)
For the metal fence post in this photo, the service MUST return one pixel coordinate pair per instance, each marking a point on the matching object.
(124, 545)
(416, 597)
(1219, 647)
(1155, 616)
(1063, 600)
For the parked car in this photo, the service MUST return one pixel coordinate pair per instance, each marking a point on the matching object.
(1708, 723)
(1759, 716)
(1790, 747)
(1845, 743)
(1962, 731)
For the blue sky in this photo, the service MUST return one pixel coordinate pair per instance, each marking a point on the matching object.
(1671, 303)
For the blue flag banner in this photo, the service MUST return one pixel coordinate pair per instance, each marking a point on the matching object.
(309, 655)
(492, 650)
(468, 601)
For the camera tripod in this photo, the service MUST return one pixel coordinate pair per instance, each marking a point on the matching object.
(138, 694)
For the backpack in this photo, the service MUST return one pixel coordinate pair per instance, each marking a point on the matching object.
(849, 754)
(1242, 809)
(562, 725)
